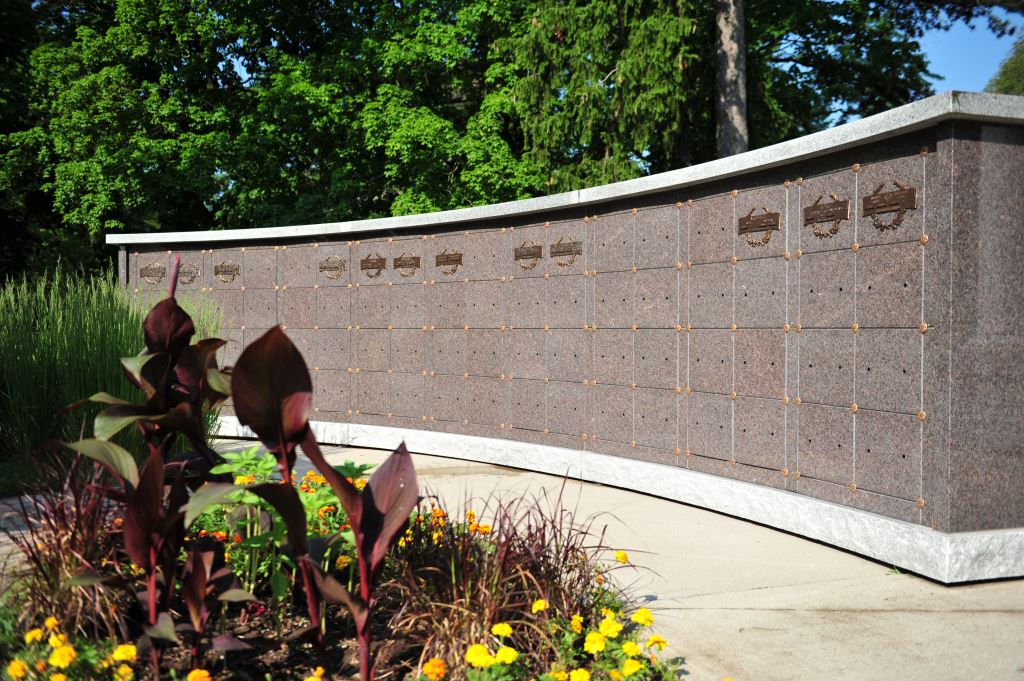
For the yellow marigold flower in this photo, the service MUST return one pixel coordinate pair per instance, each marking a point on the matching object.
(33, 635)
(656, 641)
(631, 666)
(199, 675)
(615, 675)
(478, 656)
(470, 516)
(57, 640)
(539, 605)
(576, 624)
(435, 669)
(506, 655)
(436, 537)
(599, 578)
(342, 562)
(643, 617)
(123, 673)
(126, 652)
(561, 675)
(240, 480)
(360, 484)
(318, 674)
(502, 629)
(483, 529)
(579, 675)
(631, 648)
(58, 677)
(594, 643)
(62, 657)
(610, 627)
(622, 556)
(51, 623)
(17, 669)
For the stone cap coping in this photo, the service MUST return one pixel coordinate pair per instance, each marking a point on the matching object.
(989, 108)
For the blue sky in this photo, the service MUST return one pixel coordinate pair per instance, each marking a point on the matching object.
(966, 59)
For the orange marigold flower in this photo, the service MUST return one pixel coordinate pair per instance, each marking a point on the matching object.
(435, 669)
(17, 669)
(236, 538)
(483, 529)
(199, 675)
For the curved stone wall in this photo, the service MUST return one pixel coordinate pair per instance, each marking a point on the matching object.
(803, 323)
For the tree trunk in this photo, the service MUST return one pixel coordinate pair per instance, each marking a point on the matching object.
(730, 79)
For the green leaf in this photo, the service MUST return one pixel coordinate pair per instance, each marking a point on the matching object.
(219, 381)
(236, 596)
(204, 497)
(133, 365)
(117, 417)
(163, 629)
(115, 458)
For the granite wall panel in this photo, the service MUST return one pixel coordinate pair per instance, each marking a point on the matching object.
(871, 361)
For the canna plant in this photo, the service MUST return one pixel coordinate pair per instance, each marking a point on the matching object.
(272, 393)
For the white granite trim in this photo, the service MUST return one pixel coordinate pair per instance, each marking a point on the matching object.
(949, 558)
(926, 112)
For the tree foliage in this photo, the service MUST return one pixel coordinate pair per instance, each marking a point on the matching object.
(1009, 80)
(144, 115)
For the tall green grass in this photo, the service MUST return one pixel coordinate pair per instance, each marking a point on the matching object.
(61, 339)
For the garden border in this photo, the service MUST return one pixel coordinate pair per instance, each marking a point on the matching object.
(946, 557)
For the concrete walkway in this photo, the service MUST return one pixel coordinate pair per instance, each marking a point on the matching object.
(743, 601)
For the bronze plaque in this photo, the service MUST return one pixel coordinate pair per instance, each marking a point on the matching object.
(525, 252)
(879, 203)
(333, 267)
(406, 262)
(448, 259)
(153, 273)
(763, 222)
(373, 263)
(826, 212)
(565, 249)
(226, 271)
(188, 273)
(448, 263)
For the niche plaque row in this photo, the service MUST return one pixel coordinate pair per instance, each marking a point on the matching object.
(824, 218)
(564, 252)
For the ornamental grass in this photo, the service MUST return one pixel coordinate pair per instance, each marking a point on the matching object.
(61, 338)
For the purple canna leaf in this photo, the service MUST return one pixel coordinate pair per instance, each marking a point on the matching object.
(273, 394)
(392, 493)
(168, 328)
(227, 643)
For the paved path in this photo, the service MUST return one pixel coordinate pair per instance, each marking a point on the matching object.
(739, 600)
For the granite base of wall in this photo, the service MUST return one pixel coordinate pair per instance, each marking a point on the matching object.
(946, 557)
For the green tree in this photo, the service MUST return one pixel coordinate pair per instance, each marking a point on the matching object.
(166, 115)
(1009, 79)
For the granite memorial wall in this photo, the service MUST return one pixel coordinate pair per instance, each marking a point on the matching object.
(845, 326)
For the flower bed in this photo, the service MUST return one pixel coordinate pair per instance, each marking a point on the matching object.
(209, 566)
